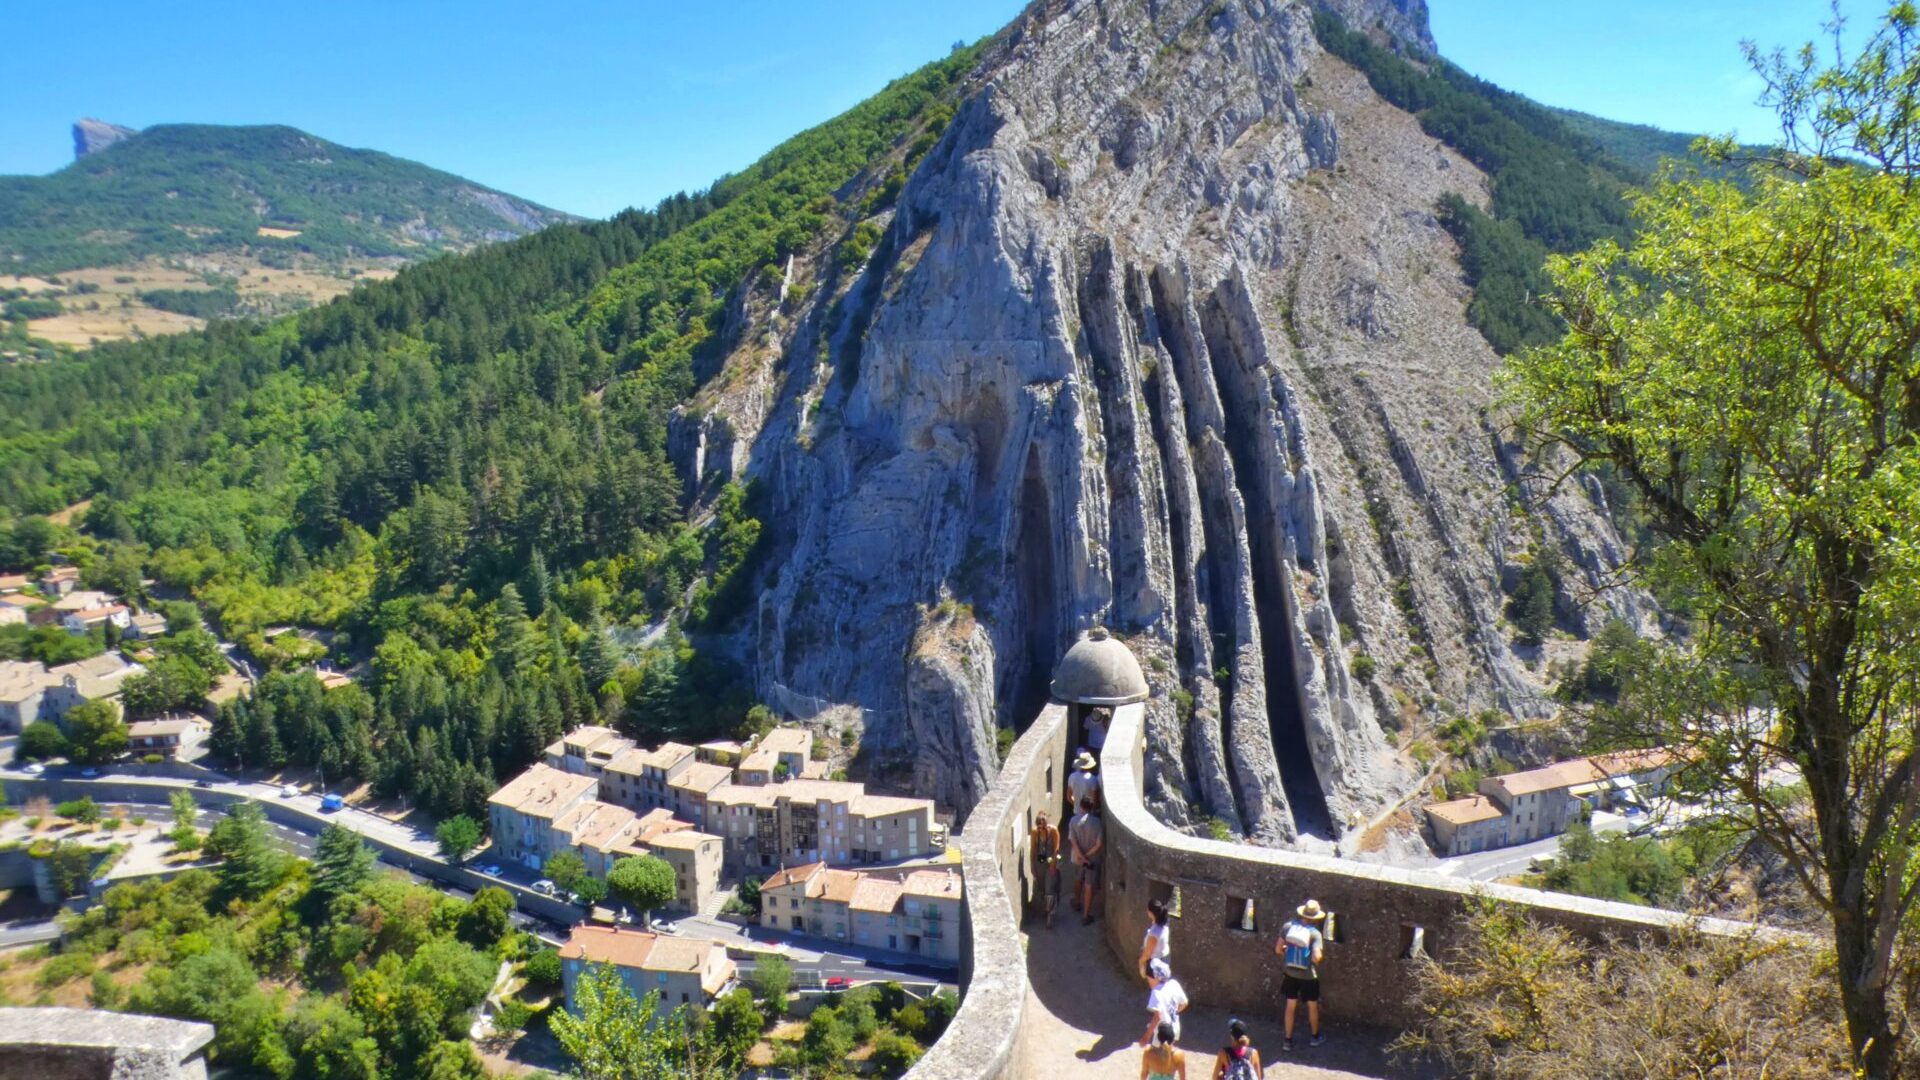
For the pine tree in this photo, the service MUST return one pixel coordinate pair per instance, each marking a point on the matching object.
(539, 585)
(342, 862)
(251, 864)
(599, 657)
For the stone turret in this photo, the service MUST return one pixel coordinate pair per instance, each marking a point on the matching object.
(1099, 670)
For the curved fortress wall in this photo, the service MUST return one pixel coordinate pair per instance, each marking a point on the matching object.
(1380, 910)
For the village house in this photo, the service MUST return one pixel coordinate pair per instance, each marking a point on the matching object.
(915, 913)
(147, 625)
(1518, 807)
(13, 583)
(683, 971)
(524, 812)
(14, 608)
(171, 737)
(757, 817)
(585, 750)
(60, 580)
(30, 691)
(80, 622)
(781, 754)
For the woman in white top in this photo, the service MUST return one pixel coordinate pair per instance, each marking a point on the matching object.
(1158, 944)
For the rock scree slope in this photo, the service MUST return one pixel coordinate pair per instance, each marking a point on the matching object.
(1162, 335)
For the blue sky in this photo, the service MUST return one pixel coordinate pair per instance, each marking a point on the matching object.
(591, 107)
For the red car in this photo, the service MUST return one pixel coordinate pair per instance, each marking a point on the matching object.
(839, 982)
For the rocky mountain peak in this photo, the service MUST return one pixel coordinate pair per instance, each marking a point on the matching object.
(91, 136)
(1162, 336)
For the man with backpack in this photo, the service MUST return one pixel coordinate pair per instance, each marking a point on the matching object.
(1302, 948)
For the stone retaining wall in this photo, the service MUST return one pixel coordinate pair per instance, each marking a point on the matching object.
(133, 790)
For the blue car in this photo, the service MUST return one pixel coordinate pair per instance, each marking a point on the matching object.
(330, 803)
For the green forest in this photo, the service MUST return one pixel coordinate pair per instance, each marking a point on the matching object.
(461, 472)
(192, 188)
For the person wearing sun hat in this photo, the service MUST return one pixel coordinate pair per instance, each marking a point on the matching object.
(1084, 783)
(1302, 948)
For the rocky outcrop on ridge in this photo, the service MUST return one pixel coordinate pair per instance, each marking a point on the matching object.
(1162, 335)
(91, 136)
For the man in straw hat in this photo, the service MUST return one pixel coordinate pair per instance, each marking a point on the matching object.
(1301, 948)
(1083, 783)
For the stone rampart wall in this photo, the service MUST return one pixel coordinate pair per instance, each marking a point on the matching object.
(1379, 908)
(983, 1042)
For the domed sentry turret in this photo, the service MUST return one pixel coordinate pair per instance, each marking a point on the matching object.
(1099, 670)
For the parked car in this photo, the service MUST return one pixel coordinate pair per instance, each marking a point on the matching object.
(490, 870)
(330, 803)
(89, 772)
(546, 888)
(288, 791)
(203, 783)
(838, 982)
(34, 768)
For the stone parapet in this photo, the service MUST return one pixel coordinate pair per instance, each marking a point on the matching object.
(1381, 911)
(89, 1044)
(984, 1040)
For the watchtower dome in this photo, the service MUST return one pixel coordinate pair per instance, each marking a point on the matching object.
(1099, 670)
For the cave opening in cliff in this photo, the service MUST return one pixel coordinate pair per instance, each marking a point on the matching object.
(1033, 560)
(1246, 404)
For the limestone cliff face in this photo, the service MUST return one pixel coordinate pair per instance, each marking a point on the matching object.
(1162, 335)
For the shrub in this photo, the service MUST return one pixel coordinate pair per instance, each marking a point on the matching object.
(65, 968)
(40, 740)
(894, 1053)
(152, 759)
(1363, 667)
(512, 1015)
(83, 810)
(543, 967)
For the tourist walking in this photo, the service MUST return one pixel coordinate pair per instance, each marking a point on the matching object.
(1302, 949)
(1163, 1060)
(1238, 1060)
(1043, 848)
(1165, 1002)
(1087, 843)
(1094, 730)
(1157, 944)
(1084, 783)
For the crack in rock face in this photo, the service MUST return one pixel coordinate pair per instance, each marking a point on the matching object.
(1162, 336)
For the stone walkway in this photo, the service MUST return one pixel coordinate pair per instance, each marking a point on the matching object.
(1085, 1016)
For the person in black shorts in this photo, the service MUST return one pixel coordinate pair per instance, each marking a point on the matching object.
(1302, 948)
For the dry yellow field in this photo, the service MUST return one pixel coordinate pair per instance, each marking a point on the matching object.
(277, 234)
(115, 312)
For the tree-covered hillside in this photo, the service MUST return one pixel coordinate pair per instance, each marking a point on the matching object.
(462, 471)
(191, 188)
(1639, 147)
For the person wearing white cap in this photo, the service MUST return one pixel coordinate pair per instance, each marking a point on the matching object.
(1165, 1002)
(1084, 783)
(1302, 948)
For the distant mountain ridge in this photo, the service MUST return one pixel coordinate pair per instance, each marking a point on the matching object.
(180, 189)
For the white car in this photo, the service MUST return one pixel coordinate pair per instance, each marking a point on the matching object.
(545, 887)
(288, 791)
(34, 768)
